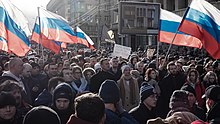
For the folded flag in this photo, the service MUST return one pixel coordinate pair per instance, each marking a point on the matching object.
(83, 38)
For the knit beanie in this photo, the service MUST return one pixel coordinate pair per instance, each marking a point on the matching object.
(109, 91)
(63, 90)
(179, 98)
(6, 99)
(189, 88)
(41, 115)
(146, 90)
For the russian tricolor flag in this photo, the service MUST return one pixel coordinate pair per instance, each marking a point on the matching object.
(202, 20)
(3, 45)
(169, 23)
(14, 28)
(47, 43)
(83, 38)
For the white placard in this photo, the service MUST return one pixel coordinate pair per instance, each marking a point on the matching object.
(121, 51)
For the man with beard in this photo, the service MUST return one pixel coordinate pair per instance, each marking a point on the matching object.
(168, 84)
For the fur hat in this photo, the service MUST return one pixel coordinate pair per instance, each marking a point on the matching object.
(179, 98)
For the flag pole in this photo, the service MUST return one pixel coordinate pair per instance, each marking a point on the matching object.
(42, 50)
(170, 47)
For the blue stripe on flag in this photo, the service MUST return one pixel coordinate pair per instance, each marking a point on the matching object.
(12, 26)
(206, 22)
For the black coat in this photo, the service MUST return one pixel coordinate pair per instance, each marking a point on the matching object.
(167, 85)
(199, 112)
(97, 79)
(141, 113)
(213, 116)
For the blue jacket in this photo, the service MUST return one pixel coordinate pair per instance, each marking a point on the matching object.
(44, 98)
(114, 118)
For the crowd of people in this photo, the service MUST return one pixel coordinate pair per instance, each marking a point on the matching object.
(96, 88)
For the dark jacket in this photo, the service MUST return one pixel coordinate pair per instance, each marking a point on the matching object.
(141, 113)
(199, 112)
(213, 116)
(44, 98)
(114, 118)
(167, 85)
(74, 120)
(97, 79)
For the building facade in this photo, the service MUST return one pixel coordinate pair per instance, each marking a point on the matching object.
(92, 15)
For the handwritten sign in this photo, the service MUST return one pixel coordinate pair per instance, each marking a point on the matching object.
(121, 51)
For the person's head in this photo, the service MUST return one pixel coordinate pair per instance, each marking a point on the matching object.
(216, 65)
(93, 61)
(150, 74)
(35, 69)
(13, 88)
(211, 78)
(88, 73)
(53, 82)
(52, 70)
(114, 62)
(7, 106)
(41, 115)
(208, 66)
(135, 74)
(193, 76)
(27, 70)
(133, 59)
(77, 72)
(90, 107)
(104, 63)
(126, 69)
(191, 94)
(63, 97)
(109, 92)
(16, 66)
(67, 74)
(212, 96)
(179, 65)
(66, 64)
(148, 96)
(172, 69)
(179, 99)
(139, 66)
(97, 67)
(161, 60)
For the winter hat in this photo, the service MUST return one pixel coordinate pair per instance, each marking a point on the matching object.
(41, 115)
(212, 92)
(6, 99)
(179, 98)
(146, 90)
(63, 90)
(109, 91)
(124, 67)
(97, 66)
(189, 88)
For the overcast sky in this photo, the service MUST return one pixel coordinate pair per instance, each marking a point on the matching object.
(29, 8)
